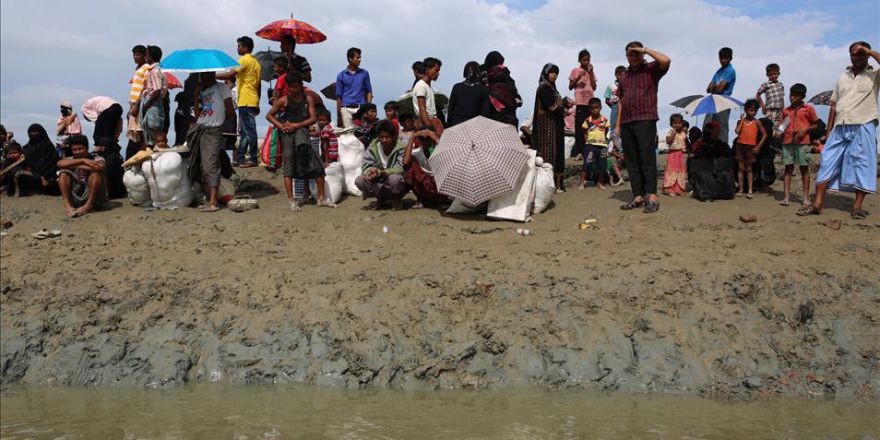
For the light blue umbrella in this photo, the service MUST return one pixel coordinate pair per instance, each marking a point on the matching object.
(198, 60)
(712, 104)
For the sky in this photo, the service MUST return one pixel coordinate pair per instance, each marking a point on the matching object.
(52, 51)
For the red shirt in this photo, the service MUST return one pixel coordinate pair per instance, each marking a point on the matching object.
(801, 119)
(281, 85)
(638, 92)
(328, 135)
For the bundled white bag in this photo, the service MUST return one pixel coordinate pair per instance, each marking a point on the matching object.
(545, 186)
(351, 157)
(334, 178)
(136, 184)
(170, 187)
(515, 204)
(569, 147)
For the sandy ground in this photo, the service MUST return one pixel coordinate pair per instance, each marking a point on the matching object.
(689, 300)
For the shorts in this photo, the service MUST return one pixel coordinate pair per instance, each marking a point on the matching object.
(745, 153)
(79, 190)
(300, 161)
(796, 155)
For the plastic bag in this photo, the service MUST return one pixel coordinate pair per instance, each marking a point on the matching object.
(545, 187)
(351, 157)
(166, 175)
(136, 184)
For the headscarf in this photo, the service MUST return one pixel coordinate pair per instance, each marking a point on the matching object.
(545, 78)
(472, 73)
(40, 153)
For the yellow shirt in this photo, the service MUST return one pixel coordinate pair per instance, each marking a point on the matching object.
(248, 81)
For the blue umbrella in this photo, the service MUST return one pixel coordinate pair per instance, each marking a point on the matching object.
(712, 104)
(198, 60)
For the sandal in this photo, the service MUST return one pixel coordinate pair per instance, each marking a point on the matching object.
(749, 196)
(809, 210)
(784, 203)
(632, 204)
(209, 208)
(858, 214)
(651, 207)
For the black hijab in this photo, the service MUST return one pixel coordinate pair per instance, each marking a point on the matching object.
(40, 154)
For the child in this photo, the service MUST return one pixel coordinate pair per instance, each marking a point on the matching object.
(391, 110)
(407, 127)
(423, 97)
(382, 176)
(614, 161)
(800, 119)
(611, 98)
(300, 160)
(418, 69)
(676, 166)
(749, 130)
(775, 93)
(365, 120)
(280, 70)
(596, 128)
(329, 143)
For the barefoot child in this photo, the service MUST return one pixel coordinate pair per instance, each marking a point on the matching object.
(81, 178)
(750, 138)
(676, 167)
(796, 141)
(300, 160)
(596, 128)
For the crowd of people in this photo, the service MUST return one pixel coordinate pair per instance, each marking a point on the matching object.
(217, 111)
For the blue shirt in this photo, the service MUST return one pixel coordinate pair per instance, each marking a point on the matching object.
(352, 88)
(725, 74)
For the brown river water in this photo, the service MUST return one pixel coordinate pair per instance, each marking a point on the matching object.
(282, 412)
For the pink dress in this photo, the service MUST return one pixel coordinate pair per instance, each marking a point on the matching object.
(675, 179)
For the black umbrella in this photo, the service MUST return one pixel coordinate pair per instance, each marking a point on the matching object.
(683, 102)
(330, 91)
(823, 98)
(266, 58)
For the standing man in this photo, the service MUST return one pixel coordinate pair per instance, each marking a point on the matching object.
(135, 133)
(213, 106)
(152, 110)
(849, 159)
(248, 85)
(722, 84)
(353, 88)
(297, 63)
(637, 122)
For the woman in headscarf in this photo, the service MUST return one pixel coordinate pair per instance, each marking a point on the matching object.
(548, 130)
(469, 98)
(41, 158)
(503, 96)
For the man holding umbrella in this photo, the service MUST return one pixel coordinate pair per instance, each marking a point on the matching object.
(248, 84)
(298, 62)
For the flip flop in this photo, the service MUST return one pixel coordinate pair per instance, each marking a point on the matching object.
(808, 210)
(785, 203)
(209, 208)
(632, 204)
(858, 214)
(326, 203)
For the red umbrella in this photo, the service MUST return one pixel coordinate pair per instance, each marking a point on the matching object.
(303, 32)
(171, 81)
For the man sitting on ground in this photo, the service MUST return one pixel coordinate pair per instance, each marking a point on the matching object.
(81, 178)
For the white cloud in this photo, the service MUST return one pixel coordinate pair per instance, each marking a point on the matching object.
(394, 33)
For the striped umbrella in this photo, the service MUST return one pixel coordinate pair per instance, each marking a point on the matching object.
(478, 160)
(712, 104)
(303, 32)
(198, 60)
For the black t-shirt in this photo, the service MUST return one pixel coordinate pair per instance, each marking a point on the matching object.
(299, 63)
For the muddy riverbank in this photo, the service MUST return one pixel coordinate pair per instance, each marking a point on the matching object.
(689, 300)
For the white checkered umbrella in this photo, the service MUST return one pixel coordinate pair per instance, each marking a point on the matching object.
(478, 160)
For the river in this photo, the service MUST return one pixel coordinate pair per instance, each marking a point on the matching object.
(282, 412)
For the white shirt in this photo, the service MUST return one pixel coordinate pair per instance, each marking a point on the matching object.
(855, 97)
(423, 90)
(213, 107)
